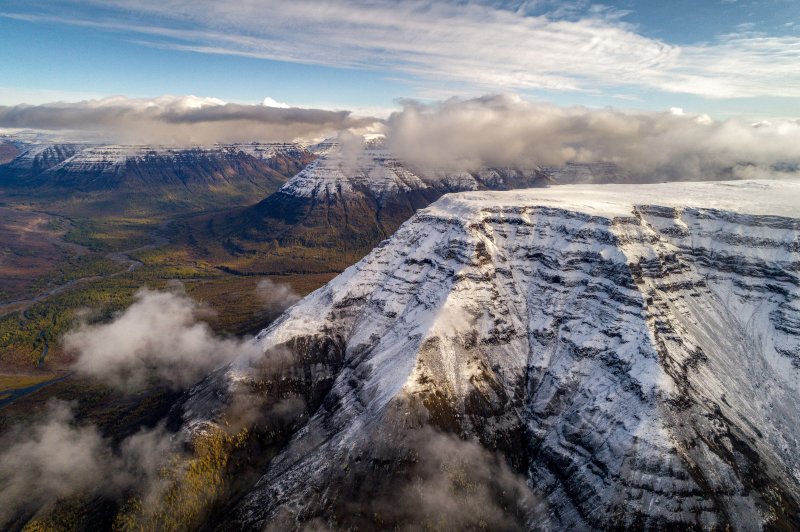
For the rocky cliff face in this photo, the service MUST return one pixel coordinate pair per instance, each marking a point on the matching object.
(633, 351)
(37, 158)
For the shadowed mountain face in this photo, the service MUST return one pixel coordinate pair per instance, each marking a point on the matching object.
(234, 174)
(631, 350)
(8, 151)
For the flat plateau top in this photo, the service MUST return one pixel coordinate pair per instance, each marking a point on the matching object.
(761, 197)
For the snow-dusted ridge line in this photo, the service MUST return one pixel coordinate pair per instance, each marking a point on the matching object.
(374, 170)
(335, 175)
(107, 157)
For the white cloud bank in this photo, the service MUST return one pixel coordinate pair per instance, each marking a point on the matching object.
(494, 130)
(478, 44)
(508, 131)
(275, 297)
(56, 457)
(179, 120)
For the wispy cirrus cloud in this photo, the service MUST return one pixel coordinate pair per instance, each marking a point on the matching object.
(571, 47)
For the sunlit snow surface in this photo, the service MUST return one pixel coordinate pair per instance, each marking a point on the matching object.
(334, 175)
(777, 198)
(645, 338)
(341, 173)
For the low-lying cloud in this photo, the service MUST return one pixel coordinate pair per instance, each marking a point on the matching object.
(458, 484)
(160, 336)
(507, 131)
(275, 297)
(179, 120)
(416, 479)
(56, 458)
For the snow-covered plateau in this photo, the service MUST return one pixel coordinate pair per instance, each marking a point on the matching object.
(633, 350)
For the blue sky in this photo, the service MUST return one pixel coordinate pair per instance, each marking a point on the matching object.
(722, 57)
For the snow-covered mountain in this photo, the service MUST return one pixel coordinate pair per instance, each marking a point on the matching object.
(82, 167)
(97, 179)
(633, 350)
(114, 159)
(375, 172)
(354, 200)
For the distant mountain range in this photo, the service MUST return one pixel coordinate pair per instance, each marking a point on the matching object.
(213, 176)
(280, 206)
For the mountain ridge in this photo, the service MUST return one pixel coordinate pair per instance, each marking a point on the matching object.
(85, 167)
(343, 205)
(90, 180)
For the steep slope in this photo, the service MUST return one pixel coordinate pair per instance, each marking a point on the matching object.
(347, 203)
(634, 351)
(8, 151)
